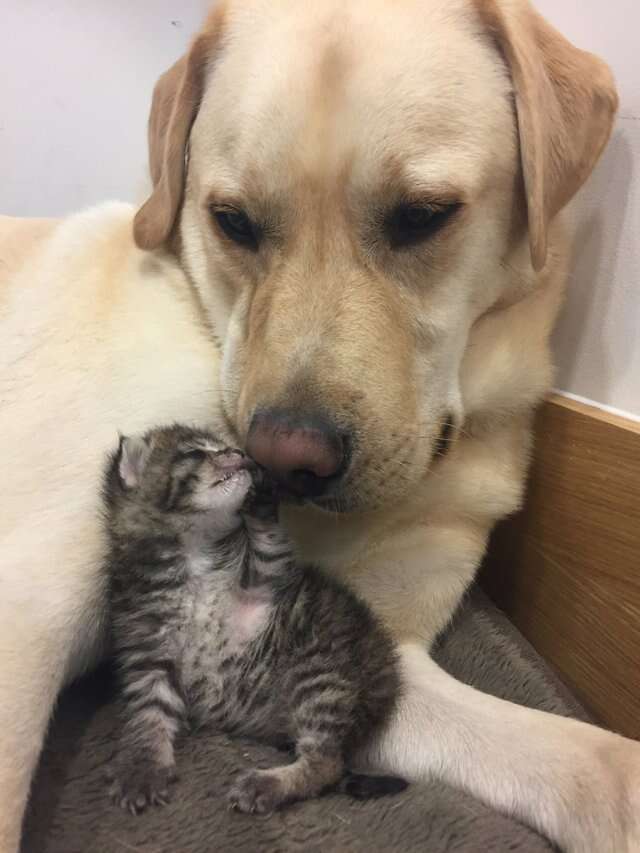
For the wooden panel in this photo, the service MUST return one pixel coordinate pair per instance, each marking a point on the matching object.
(567, 569)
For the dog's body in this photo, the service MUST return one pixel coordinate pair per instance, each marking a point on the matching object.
(321, 314)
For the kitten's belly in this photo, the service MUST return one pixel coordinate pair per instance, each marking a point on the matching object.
(226, 685)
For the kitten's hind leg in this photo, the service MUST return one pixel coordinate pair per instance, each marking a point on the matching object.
(321, 716)
(318, 766)
(154, 711)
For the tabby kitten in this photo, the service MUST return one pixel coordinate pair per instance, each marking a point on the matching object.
(214, 623)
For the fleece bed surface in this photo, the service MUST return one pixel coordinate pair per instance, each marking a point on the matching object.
(69, 811)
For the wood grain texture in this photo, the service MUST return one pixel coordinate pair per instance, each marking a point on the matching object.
(567, 569)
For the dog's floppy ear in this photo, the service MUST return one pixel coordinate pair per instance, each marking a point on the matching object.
(566, 102)
(175, 103)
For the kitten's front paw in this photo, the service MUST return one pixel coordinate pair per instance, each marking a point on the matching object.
(134, 786)
(257, 792)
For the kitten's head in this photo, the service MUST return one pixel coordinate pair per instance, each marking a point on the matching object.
(180, 474)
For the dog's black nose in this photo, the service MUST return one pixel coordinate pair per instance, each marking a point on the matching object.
(303, 451)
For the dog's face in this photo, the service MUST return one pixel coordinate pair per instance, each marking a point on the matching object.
(353, 192)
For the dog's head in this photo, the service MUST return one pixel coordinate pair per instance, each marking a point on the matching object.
(350, 188)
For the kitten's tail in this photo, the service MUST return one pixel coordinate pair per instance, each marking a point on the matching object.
(363, 787)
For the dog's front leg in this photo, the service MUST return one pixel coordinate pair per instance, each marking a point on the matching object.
(51, 627)
(577, 784)
(30, 679)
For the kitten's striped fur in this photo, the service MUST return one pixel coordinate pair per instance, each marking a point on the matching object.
(214, 623)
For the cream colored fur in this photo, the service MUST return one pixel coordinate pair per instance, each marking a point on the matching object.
(97, 335)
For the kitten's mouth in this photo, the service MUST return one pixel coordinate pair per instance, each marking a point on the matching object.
(229, 464)
(231, 475)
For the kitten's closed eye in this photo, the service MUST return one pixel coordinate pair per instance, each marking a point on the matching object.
(195, 453)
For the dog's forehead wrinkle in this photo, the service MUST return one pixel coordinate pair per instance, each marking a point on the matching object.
(291, 112)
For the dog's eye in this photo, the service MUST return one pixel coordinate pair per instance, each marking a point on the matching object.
(409, 224)
(237, 226)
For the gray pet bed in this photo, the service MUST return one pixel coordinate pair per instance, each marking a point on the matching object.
(69, 812)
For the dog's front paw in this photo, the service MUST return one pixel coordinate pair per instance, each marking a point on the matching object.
(134, 786)
(257, 792)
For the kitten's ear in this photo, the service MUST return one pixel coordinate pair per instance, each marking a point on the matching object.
(133, 455)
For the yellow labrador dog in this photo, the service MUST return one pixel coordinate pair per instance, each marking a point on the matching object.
(351, 258)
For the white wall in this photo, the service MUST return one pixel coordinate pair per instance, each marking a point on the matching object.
(76, 78)
(75, 82)
(597, 341)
